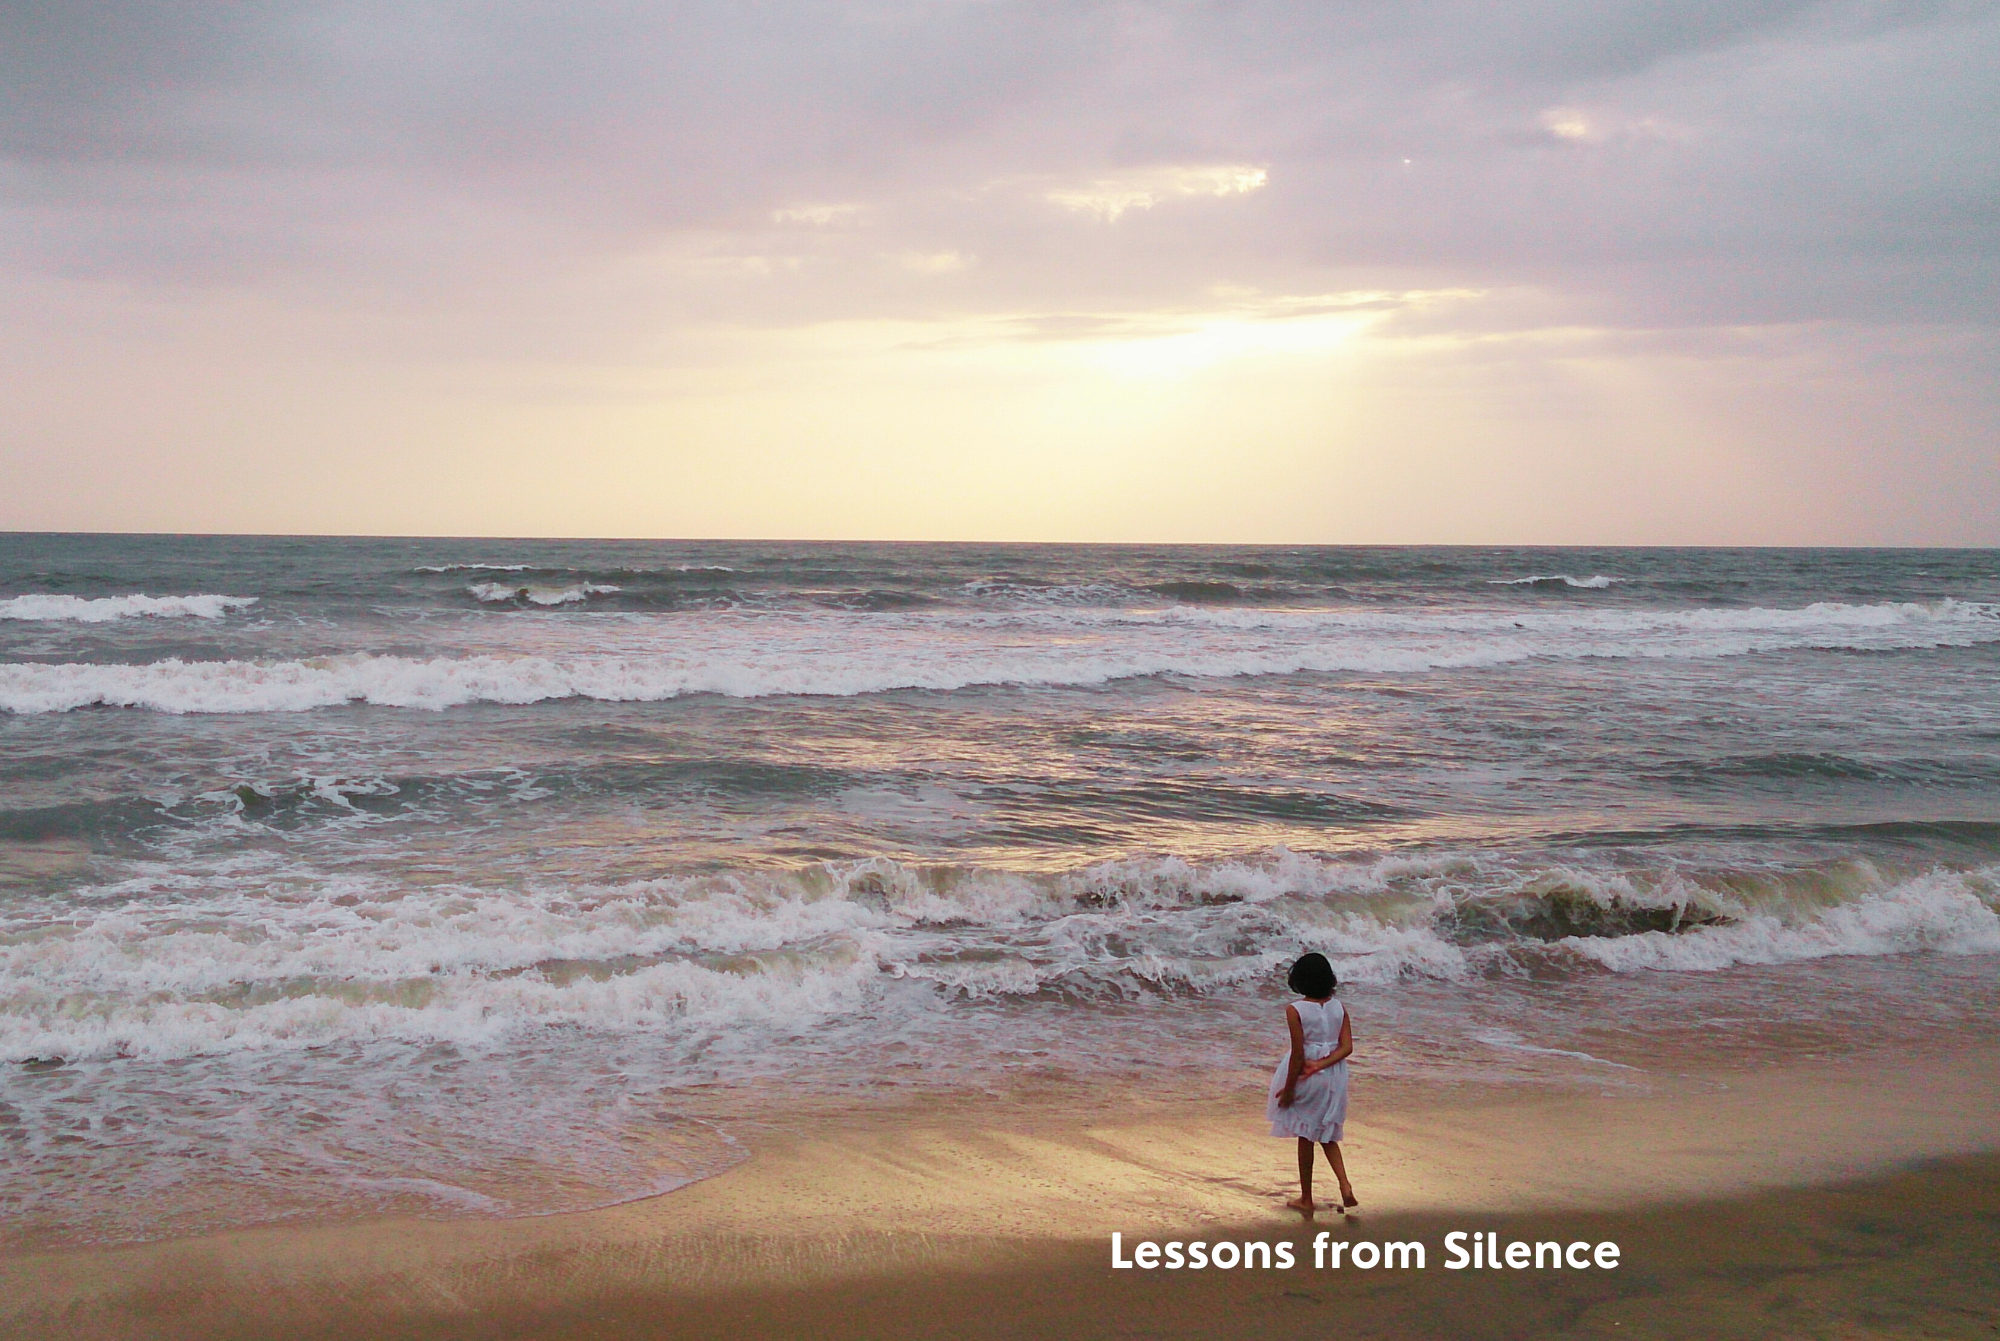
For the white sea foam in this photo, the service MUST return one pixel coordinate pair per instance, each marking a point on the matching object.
(1942, 911)
(1594, 583)
(1508, 1040)
(1047, 594)
(540, 595)
(650, 659)
(527, 567)
(245, 958)
(103, 609)
(473, 568)
(454, 965)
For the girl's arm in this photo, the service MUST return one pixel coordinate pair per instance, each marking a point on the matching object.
(1341, 1050)
(1296, 1067)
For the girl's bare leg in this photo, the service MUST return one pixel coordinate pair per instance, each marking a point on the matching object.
(1332, 1148)
(1305, 1197)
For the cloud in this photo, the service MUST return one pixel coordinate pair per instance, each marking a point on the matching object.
(1110, 196)
(602, 186)
(1589, 126)
(819, 216)
(325, 145)
(934, 263)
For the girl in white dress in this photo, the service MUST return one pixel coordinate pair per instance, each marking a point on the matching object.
(1309, 1088)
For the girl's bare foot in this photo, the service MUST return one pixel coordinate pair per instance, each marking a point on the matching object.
(1347, 1198)
(1301, 1204)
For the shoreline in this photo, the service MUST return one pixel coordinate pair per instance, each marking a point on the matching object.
(935, 1204)
(1906, 1255)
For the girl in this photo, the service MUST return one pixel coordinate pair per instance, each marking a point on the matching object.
(1309, 1088)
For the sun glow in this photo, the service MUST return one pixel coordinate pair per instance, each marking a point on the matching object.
(1219, 339)
(1241, 327)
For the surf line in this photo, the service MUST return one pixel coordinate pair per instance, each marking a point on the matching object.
(1486, 1253)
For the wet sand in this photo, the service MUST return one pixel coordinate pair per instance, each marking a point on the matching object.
(1812, 1201)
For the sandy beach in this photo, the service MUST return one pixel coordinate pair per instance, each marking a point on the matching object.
(1834, 1200)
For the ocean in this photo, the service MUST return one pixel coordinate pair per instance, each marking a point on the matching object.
(341, 877)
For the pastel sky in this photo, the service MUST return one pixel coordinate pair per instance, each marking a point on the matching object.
(1544, 271)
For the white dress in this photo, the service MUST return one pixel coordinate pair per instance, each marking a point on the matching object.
(1319, 1103)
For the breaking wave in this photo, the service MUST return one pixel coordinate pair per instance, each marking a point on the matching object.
(837, 654)
(1021, 592)
(1596, 583)
(473, 568)
(492, 592)
(103, 609)
(342, 958)
(542, 568)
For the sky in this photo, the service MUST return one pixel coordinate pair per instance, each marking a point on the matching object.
(1347, 271)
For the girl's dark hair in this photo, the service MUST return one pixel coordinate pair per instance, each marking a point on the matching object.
(1312, 976)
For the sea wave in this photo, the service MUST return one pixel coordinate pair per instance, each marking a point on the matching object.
(842, 654)
(473, 568)
(1595, 583)
(545, 568)
(493, 592)
(165, 965)
(1976, 621)
(1018, 591)
(103, 609)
